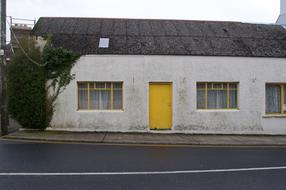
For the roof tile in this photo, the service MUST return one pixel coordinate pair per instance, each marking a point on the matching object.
(165, 37)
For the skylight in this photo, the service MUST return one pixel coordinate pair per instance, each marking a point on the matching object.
(103, 43)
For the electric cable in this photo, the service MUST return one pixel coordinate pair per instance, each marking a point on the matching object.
(23, 50)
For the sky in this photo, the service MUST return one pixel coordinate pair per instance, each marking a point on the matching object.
(253, 11)
(257, 11)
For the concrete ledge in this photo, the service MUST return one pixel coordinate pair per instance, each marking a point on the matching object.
(144, 138)
(184, 132)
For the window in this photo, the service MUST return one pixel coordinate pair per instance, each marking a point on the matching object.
(275, 98)
(103, 43)
(100, 96)
(217, 95)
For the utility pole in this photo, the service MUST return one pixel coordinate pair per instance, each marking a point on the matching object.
(3, 86)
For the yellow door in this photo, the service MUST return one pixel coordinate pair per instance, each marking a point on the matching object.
(160, 106)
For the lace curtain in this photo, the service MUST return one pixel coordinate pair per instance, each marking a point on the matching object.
(273, 99)
(100, 96)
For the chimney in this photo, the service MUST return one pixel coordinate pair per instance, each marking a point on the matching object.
(20, 31)
(282, 17)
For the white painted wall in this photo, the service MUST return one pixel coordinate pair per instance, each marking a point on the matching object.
(282, 17)
(184, 71)
(282, 7)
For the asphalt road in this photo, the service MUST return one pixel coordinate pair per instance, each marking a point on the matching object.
(39, 166)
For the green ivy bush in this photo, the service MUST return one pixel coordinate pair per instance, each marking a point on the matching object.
(35, 79)
(58, 64)
(26, 87)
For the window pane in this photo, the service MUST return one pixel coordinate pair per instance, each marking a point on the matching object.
(201, 99)
(83, 85)
(100, 85)
(117, 99)
(83, 99)
(117, 85)
(108, 85)
(103, 43)
(102, 99)
(273, 99)
(233, 86)
(91, 85)
(233, 99)
(92, 99)
(216, 85)
(217, 99)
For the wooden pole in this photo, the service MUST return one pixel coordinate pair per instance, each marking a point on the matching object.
(3, 84)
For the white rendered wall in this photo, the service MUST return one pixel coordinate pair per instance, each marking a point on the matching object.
(282, 17)
(183, 71)
(282, 7)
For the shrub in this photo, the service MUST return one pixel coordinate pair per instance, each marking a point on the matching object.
(26, 87)
(35, 79)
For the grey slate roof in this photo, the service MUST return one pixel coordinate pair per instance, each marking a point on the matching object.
(165, 37)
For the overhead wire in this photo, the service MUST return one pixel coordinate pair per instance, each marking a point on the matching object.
(23, 50)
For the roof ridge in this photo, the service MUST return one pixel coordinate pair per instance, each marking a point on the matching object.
(147, 19)
(197, 36)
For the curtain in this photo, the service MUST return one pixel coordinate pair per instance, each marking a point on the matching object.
(117, 99)
(92, 96)
(83, 99)
(100, 96)
(232, 98)
(284, 99)
(217, 99)
(102, 100)
(201, 99)
(273, 99)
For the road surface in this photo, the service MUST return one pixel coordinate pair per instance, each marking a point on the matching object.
(43, 166)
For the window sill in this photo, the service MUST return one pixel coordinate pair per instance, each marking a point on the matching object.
(217, 110)
(275, 116)
(100, 111)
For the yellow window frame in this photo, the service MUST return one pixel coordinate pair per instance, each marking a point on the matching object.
(111, 89)
(212, 87)
(282, 98)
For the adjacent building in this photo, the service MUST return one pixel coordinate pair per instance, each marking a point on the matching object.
(282, 17)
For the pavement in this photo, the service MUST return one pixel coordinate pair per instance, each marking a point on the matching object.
(148, 138)
(13, 126)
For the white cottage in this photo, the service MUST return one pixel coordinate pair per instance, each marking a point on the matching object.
(176, 76)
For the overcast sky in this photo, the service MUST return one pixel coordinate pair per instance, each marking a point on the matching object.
(259, 11)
